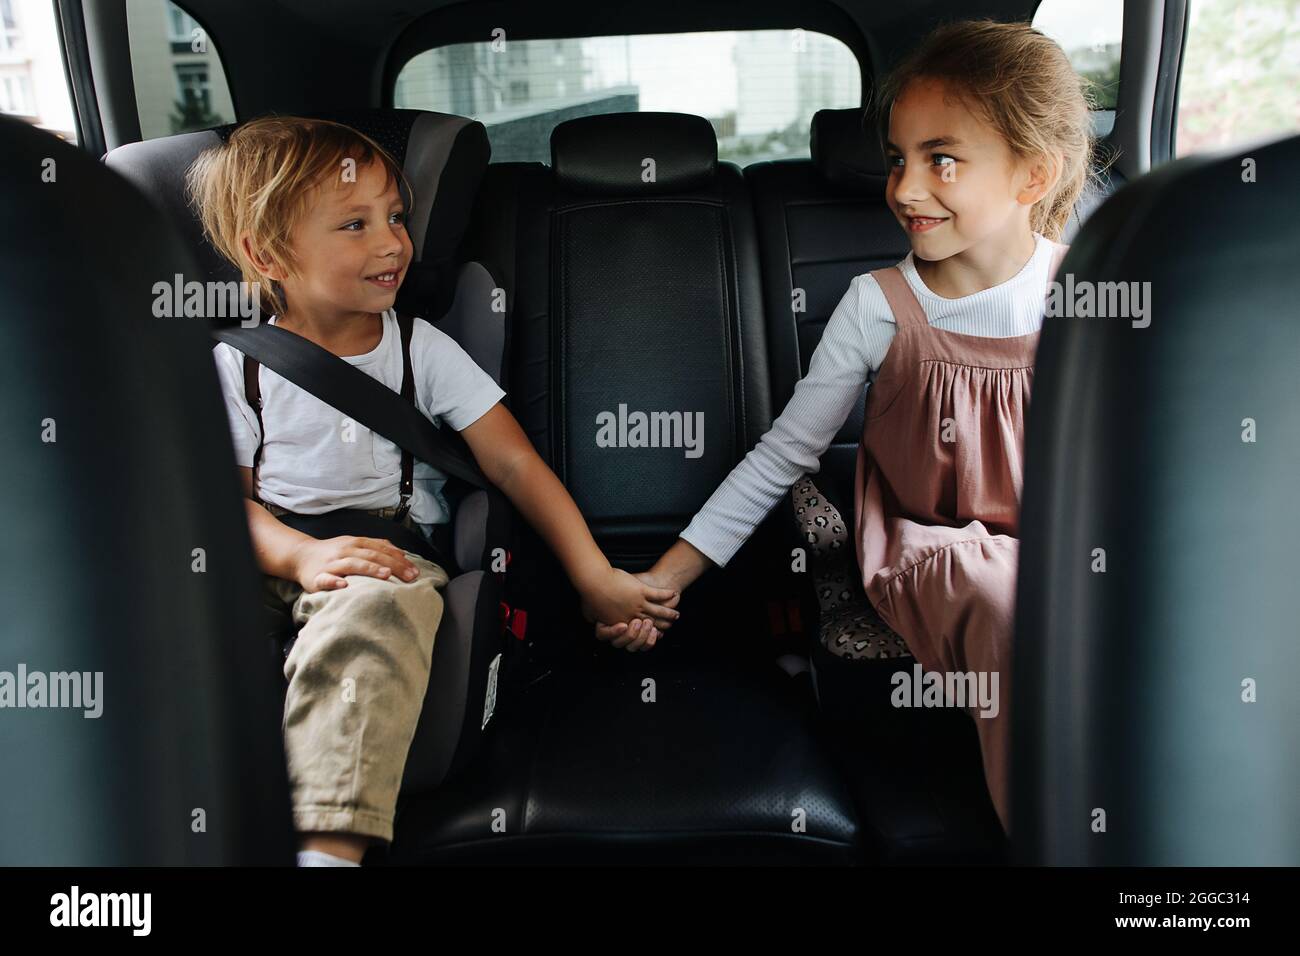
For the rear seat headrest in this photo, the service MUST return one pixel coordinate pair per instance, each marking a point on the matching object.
(606, 153)
(444, 158)
(844, 154)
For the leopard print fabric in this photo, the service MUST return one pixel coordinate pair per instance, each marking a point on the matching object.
(850, 626)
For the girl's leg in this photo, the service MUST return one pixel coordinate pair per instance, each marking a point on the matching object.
(956, 611)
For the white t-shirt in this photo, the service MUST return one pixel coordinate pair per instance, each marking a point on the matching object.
(315, 459)
(852, 348)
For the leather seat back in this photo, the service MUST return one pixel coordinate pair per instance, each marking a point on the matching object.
(640, 355)
(1156, 631)
(128, 557)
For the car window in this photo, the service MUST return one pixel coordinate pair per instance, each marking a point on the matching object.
(33, 82)
(758, 88)
(1091, 33)
(180, 84)
(1240, 76)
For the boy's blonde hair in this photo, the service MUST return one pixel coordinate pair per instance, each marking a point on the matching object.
(1023, 84)
(258, 181)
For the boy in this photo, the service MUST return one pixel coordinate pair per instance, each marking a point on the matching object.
(330, 251)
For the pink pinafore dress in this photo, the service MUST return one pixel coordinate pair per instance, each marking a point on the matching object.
(937, 500)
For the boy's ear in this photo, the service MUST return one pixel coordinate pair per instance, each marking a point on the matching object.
(263, 265)
(1041, 177)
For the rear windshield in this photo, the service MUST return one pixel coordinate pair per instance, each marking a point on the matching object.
(759, 88)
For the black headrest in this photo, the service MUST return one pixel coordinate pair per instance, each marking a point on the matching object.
(607, 153)
(844, 154)
(444, 158)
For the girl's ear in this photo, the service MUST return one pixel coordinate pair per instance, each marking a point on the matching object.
(1040, 177)
(262, 264)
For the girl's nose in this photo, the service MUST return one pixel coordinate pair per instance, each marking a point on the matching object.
(911, 185)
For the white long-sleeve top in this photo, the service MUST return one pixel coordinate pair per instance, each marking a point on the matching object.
(850, 353)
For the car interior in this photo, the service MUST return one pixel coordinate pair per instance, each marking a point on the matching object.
(581, 287)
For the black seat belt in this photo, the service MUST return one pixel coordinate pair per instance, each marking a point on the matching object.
(354, 393)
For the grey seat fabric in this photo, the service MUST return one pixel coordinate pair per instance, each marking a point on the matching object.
(443, 158)
(1152, 694)
(127, 555)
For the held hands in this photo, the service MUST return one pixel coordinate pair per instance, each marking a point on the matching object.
(623, 597)
(638, 633)
(320, 565)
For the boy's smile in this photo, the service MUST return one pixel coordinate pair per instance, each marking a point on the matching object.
(351, 248)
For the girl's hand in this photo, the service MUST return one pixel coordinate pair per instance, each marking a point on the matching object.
(321, 565)
(638, 635)
(618, 596)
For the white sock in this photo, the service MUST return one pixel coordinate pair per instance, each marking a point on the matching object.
(319, 858)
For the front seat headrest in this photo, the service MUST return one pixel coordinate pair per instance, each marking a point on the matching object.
(607, 154)
(443, 156)
(843, 153)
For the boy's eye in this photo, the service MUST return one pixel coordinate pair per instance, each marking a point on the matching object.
(355, 222)
(397, 217)
(943, 159)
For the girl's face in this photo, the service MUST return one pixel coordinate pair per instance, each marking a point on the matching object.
(953, 181)
(350, 246)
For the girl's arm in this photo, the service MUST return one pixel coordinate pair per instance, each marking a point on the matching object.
(798, 438)
(511, 463)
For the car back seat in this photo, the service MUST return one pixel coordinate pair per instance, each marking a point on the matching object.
(635, 283)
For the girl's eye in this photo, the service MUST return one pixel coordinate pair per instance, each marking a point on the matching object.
(397, 217)
(939, 159)
(895, 161)
(354, 222)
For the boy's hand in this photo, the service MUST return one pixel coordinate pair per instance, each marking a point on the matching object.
(321, 565)
(639, 634)
(618, 596)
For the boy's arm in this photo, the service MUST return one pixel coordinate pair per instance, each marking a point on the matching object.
(511, 463)
(317, 565)
(274, 543)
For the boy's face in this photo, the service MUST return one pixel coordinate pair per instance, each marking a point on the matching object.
(350, 246)
(953, 181)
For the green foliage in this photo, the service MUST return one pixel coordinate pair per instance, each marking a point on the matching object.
(1241, 73)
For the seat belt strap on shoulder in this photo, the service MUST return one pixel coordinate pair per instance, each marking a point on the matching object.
(253, 395)
(365, 399)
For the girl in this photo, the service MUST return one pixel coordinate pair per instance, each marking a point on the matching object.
(987, 132)
(329, 250)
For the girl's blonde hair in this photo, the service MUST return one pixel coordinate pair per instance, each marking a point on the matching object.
(1022, 83)
(258, 181)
